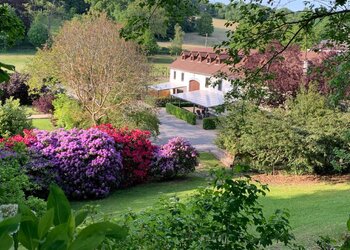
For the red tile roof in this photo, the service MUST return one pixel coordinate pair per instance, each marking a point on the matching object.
(206, 62)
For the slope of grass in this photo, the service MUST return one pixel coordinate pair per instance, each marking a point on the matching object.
(18, 58)
(315, 209)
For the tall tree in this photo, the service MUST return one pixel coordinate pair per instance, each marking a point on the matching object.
(103, 71)
(205, 24)
(176, 43)
(11, 29)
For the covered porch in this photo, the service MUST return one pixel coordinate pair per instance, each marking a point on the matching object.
(203, 101)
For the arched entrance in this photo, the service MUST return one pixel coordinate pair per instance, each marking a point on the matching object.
(194, 85)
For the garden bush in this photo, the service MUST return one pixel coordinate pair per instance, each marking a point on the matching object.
(16, 88)
(68, 113)
(87, 161)
(14, 183)
(225, 215)
(306, 137)
(13, 118)
(180, 113)
(44, 103)
(137, 152)
(175, 158)
(209, 123)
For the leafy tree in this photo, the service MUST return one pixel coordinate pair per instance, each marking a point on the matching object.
(205, 24)
(176, 43)
(11, 27)
(111, 74)
(38, 33)
(11, 30)
(149, 43)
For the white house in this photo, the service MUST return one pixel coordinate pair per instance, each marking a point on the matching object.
(192, 75)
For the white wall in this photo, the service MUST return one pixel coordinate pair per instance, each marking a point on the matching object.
(188, 76)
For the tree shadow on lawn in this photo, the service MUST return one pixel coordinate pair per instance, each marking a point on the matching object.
(313, 213)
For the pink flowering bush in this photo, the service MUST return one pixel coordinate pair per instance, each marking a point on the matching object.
(87, 161)
(175, 158)
(137, 152)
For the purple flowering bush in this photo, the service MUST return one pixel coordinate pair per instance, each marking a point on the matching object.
(175, 158)
(41, 173)
(87, 162)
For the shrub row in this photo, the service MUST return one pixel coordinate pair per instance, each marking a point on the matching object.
(210, 123)
(162, 101)
(180, 113)
(90, 163)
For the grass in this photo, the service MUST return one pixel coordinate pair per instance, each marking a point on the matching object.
(18, 58)
(146, 195)
(43, 124)
(315, 209)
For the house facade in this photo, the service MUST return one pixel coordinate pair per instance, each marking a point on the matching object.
(193, 77)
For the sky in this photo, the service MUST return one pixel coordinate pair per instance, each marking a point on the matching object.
(290, 4)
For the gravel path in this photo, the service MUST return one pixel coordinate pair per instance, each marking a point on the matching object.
(202, 140)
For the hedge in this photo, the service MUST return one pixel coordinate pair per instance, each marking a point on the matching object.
(209, 123)
(162, 101)
(181, 113)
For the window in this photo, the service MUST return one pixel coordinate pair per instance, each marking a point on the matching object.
(174, 74)
(220, 85)
(207, 82)
(182, 76)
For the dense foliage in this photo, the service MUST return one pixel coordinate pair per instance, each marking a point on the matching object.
(44, 103)
(225, 215)
(13, 118)
(175, 158)
(68, 113)
(205, 24)
(14, 182)
(306, 137)
(180, 113)
(87, 162)
(210, 123)
(17, 88)
(58, 228)
(38, 33)
(137, 151)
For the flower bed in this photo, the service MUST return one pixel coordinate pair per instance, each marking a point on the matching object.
(90, 163)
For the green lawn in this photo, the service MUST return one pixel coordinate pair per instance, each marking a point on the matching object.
(315, 209)
(18, 58)
(44, 124)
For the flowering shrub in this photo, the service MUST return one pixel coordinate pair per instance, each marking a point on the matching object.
(44, 103)
(175, 158)
(87, 162)
(137, 151)
(28, 138)
(41, 172)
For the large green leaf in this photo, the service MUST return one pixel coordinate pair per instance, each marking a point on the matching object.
(59, 202)
(93, 235)
(4, 76)
(6, 242)
(9, 225)
(80, 217)
(45, 223)
(28, 232)
(57, 238)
